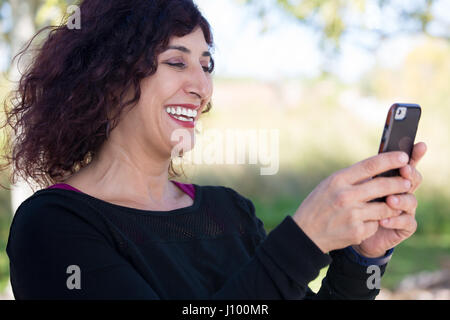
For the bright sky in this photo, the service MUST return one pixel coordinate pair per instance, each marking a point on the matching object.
(242, 50)
(290, 49)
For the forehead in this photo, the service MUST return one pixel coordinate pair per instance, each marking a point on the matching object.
(194, 41)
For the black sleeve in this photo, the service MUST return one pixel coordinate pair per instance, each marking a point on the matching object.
(284, 262)
(346, 279)
(292, 260)
(45, 240)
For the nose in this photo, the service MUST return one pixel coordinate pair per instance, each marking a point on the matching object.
(199, 83)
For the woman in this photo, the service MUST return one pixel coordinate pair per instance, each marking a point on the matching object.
(99, 106)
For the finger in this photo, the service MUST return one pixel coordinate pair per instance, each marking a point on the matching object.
(405, 202)
(413, 175)
(417, 180)
(418, 152)
(370, 227)
(374, 165)
(375, 211)
(404, 222)
(365, 180)
(380, 187)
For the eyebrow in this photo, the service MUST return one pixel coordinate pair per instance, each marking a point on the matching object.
(186, 50)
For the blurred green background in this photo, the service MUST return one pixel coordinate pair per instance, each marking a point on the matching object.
(324, 123)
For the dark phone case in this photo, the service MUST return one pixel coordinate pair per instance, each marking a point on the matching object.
(399, 135)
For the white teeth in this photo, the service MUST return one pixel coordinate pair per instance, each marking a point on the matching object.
(182, 111)
(183, 118)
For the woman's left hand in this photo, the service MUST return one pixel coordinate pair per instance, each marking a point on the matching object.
(394, 230)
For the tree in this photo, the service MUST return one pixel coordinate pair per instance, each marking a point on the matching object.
(22, 22)
(377, 19)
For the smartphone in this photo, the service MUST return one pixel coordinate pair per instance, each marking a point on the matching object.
(399, 133)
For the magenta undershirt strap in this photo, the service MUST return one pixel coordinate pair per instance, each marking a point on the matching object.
(64, 186)
(187, 188)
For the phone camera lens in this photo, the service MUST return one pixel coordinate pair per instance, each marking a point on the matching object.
(400, 113)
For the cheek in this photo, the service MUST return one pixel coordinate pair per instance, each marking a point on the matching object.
(152, 103)
(158, 87)
(164, 83)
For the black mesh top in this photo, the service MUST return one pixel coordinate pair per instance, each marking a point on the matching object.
(214, 249)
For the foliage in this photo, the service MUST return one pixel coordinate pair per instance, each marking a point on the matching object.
(5, 221)
(42, 13)
(334, 19)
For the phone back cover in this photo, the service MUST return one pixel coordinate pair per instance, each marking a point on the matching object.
(402, 133)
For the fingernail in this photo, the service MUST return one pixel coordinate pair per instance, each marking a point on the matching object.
(394, 200)
(403, 157)
(407, 184)
(385, 221)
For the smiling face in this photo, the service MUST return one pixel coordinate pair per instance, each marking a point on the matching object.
(173, 97)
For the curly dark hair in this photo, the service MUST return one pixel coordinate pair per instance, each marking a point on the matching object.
(78, 81)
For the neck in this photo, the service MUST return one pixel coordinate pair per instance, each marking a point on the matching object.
(125, 176)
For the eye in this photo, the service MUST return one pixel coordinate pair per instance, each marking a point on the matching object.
(182, 65)
(179, 65)
(210, 67)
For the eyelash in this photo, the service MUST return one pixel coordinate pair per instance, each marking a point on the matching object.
(182, 66)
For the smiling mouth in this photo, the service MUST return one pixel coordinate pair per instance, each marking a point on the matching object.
(181, 113)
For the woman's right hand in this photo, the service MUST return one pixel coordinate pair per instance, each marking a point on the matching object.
(337, 213)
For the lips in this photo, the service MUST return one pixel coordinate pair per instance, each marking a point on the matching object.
(183, 114)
